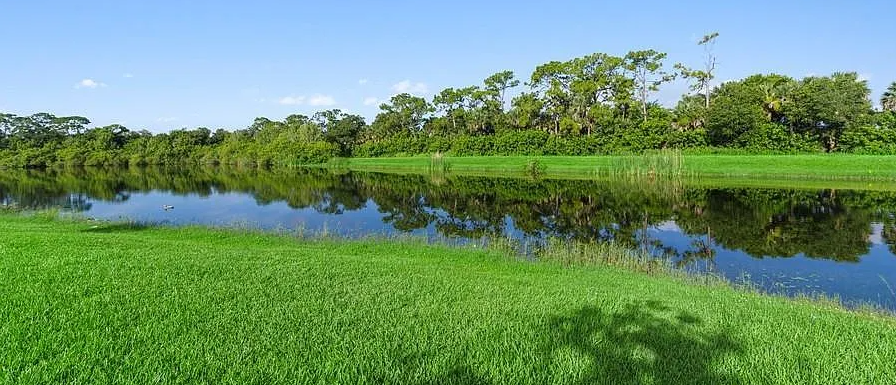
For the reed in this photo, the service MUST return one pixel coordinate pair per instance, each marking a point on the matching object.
(438, 164)
(665, 164)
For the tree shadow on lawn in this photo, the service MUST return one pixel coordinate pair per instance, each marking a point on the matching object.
(642, 343)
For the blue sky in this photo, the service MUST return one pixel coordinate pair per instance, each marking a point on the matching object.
(169, 64)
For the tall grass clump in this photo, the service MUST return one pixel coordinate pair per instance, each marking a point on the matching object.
(575, 253)
(602, 253)
(534, 168)
(438, 164)
(337, 163)
(652, 164)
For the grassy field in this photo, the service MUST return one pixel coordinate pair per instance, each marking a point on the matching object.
(84, 302)
(822, 166)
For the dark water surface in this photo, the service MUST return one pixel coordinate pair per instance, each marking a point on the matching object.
(837, 242)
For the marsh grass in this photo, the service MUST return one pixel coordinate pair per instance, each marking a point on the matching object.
(337, 163)
(10, 208)
(438, 164)
(604, 253)
(534, 168)
(660, 164)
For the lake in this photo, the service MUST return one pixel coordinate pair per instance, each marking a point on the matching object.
(836, 242)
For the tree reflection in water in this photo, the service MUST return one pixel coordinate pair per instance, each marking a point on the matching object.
(764, 223)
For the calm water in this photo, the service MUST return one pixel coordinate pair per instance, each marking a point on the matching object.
(836, 242)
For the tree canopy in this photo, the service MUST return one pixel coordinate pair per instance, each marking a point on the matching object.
(594, 104)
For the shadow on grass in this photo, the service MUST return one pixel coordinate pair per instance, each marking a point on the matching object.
(116, 228)
(644, 342)
(641, 343)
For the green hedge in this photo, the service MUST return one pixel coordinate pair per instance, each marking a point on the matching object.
(532, 143)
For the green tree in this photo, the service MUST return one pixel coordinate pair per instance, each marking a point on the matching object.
(525, 112)
(403, 114)
(750, 112)
(737, 109)
(551, 82)
(647, 69)
(340, 129)
(775, 94)
(499, 83)
(689, 113)
(888, 99)
(570, 90)
(702, 78)
(6, 121)
(482, 110)
(598, 79)
(450, 102)
(825, 106)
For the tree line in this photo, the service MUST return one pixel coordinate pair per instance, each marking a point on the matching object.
(595, 104)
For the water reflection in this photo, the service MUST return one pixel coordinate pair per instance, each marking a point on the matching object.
(738, 231)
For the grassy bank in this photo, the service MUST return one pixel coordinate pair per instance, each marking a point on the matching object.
(823, 166)
(109, 303)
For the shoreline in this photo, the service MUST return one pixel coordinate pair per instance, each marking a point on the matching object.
(816, 168)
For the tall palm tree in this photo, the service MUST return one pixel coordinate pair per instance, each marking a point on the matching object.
(888, 100)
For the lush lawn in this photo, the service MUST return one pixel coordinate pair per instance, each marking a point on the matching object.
(822, 166)
(100, 303)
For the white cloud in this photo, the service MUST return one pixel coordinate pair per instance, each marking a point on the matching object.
(669, 226)
(128, 75)
(864, 77)
(166, 119)
(406, 86)
(370, 101)
(877, 234)
(362, 81)
(89, 83)
(292, 100)
(321, 100)
(316, 100)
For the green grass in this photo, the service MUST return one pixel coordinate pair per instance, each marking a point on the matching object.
(99, 303)
(810, 167)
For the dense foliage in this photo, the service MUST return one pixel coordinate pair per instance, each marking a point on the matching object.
(45, 140)
(594, 104)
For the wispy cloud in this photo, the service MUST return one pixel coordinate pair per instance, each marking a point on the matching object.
(864, 77)
(414, 88)
(128, 75)
(166, 119)
(321, 100)
(317, 100)
(89, 83)
(370, 101)
(292, 100)
(363, 81)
